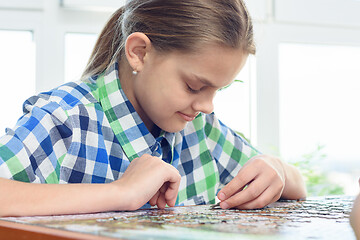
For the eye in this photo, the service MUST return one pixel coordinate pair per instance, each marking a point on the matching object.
(191, 90)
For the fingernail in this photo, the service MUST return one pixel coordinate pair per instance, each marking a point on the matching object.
(224, 205)
(221, 196)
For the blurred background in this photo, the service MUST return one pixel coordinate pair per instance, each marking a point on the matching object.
(299, 97)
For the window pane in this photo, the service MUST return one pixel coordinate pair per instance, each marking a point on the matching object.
(232, 104)
(319, 104)
(17, 66)
(78, 48)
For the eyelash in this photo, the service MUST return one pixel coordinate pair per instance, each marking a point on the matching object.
(191, 90)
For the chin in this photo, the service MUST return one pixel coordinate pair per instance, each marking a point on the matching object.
(173, 128)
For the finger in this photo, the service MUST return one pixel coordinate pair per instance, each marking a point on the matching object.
(253, 191)
(172, 188)
(171, 193)
(267, 197)
(243, 178)
(153, 200)
(164, 187)
(270, 195)
(161, 202)
(172, 175)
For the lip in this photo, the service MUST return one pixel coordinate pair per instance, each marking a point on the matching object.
(187, 117)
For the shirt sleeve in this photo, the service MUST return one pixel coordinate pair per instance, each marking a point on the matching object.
(229, 150)
(33, 150)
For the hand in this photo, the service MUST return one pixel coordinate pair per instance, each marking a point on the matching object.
(150, 178)
(259, 182)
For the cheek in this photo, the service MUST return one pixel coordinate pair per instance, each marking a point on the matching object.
(177, 99)
(162, 97)
(174, 95)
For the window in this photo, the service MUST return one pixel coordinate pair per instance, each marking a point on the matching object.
(234, 105)
(319, 104)
(78, 48)
(17, 64)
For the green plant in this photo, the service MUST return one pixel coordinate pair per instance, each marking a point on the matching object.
(317, 181)
(236, 80)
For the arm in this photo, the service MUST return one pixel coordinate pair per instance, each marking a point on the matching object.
(262, 180)
(26, 199)
(294, 184)
(147, 178)
(355, 216)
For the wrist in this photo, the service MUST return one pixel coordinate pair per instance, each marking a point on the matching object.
(280, 166)
(285, 169)
(294, 183)
(122, 197)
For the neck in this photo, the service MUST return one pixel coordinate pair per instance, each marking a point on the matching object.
(127, 81)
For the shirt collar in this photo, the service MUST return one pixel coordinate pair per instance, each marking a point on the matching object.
(127, 125)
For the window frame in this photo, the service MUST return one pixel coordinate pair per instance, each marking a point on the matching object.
(93, 5)
(21, 4)
(307, 12)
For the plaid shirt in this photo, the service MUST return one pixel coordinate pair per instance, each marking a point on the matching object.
(88, 132)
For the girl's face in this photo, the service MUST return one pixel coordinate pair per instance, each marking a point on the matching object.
(172, 89)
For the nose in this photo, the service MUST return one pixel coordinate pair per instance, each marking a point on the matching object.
(204, 103)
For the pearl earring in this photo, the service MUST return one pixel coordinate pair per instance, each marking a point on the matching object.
(134, 72)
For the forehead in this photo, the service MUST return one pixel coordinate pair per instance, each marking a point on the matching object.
(216, 64)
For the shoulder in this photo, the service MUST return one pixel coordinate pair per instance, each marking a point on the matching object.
(66, 96)
(71, 94)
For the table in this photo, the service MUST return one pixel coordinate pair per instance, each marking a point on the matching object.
(314, 218)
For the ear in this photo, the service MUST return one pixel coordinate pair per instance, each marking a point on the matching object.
(137, 46)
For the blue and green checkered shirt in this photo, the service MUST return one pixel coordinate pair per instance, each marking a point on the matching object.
(88, 132)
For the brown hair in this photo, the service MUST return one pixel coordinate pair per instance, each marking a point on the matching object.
(173, 25)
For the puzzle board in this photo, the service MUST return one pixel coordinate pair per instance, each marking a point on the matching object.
(315, 218)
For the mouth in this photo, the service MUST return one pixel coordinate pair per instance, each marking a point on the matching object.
(187, 117)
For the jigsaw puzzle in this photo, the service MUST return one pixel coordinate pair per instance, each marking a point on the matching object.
(316, 218)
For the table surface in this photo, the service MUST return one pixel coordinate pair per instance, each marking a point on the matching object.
(314, 218)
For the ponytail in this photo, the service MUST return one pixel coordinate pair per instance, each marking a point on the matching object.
(108, 47)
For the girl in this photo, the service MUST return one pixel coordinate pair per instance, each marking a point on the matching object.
(139, 126)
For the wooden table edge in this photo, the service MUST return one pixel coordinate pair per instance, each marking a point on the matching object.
(12, 230)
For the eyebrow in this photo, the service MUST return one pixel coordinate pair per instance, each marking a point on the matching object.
(205, 81)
